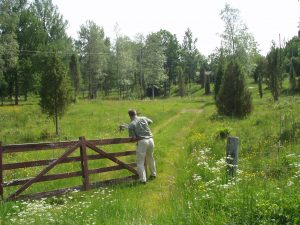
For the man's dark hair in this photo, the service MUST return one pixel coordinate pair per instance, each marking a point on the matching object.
(132, 112)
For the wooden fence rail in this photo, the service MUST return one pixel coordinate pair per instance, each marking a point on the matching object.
(71, 146)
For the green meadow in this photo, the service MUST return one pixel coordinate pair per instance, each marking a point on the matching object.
(192, 186)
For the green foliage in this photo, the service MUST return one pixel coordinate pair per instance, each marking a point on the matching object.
(3, 88)
(273, 68)
(292, 77)
(291, 61)
(56, 91)
(289, 124)
(207, 84)
(234, 99)
(75, 74)
(237, 40)
(219, 78)
(53, 24)
(124, 65)
(189, 54)
(260, 89)
(153, 62)
(181, 82)
(93, 49)
(223, 132)
(171, 51)
(9, 46)
(260, 72)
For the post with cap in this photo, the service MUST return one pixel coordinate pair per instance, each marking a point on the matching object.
(84, 164)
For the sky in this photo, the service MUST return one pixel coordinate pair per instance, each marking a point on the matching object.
(265, 19)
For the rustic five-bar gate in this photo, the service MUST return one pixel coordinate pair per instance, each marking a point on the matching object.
(71, 146)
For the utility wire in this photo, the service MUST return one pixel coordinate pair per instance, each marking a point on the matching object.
(59, 52)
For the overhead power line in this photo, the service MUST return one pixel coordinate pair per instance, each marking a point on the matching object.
(58, 52)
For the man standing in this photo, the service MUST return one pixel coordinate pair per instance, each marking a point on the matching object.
(139, 129)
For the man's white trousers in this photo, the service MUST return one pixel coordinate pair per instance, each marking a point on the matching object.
(145, 149)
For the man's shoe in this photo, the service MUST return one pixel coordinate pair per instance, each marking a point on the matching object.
(152, 177)
(143, 182)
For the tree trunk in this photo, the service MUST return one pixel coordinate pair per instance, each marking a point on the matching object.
(165, 89)
(16, 89)
(152, 91)
(260, 87)
(25, 96)
(56, 122)
(207, 84)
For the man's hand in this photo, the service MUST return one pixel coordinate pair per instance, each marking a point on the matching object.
(123, 127)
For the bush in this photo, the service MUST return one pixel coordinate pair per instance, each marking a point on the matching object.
(234, 99)
(223, 133)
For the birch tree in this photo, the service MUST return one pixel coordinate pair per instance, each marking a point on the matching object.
(153, 62)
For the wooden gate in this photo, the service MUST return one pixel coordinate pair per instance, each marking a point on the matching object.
(82, 144)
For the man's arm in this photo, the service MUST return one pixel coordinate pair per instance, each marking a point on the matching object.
(131, 132)
(148, 120)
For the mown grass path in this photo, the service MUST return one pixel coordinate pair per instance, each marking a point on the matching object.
(170, 138)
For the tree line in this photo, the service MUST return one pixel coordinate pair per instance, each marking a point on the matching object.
(37, 56)
(31, 33)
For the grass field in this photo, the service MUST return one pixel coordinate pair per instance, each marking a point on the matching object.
(192, 186)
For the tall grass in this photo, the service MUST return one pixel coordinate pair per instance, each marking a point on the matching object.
(192, 185)
(266, 186)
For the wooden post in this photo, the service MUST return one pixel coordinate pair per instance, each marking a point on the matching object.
(1, 171)
(232, 155)
(84, 164)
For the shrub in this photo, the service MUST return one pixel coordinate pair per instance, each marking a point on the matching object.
(223, 133)
(234, 99)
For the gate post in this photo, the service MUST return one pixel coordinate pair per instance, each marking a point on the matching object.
(84, 164)
(1, 171)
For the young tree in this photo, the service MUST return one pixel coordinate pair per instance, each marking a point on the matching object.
(237, 41)
(189, 55)
(181, 82)
(125, 64)
(234, 99)
(153, 61)
(207, 83)
(139, 55)
(220, 62)
(260, 72)
(273, 68)
(171, 49)
(75, 74)
(93, 51)
(56, 91)
(293, 75)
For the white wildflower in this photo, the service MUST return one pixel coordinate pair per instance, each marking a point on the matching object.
(290, 155)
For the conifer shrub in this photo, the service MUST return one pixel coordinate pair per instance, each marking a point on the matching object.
(234, 98)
